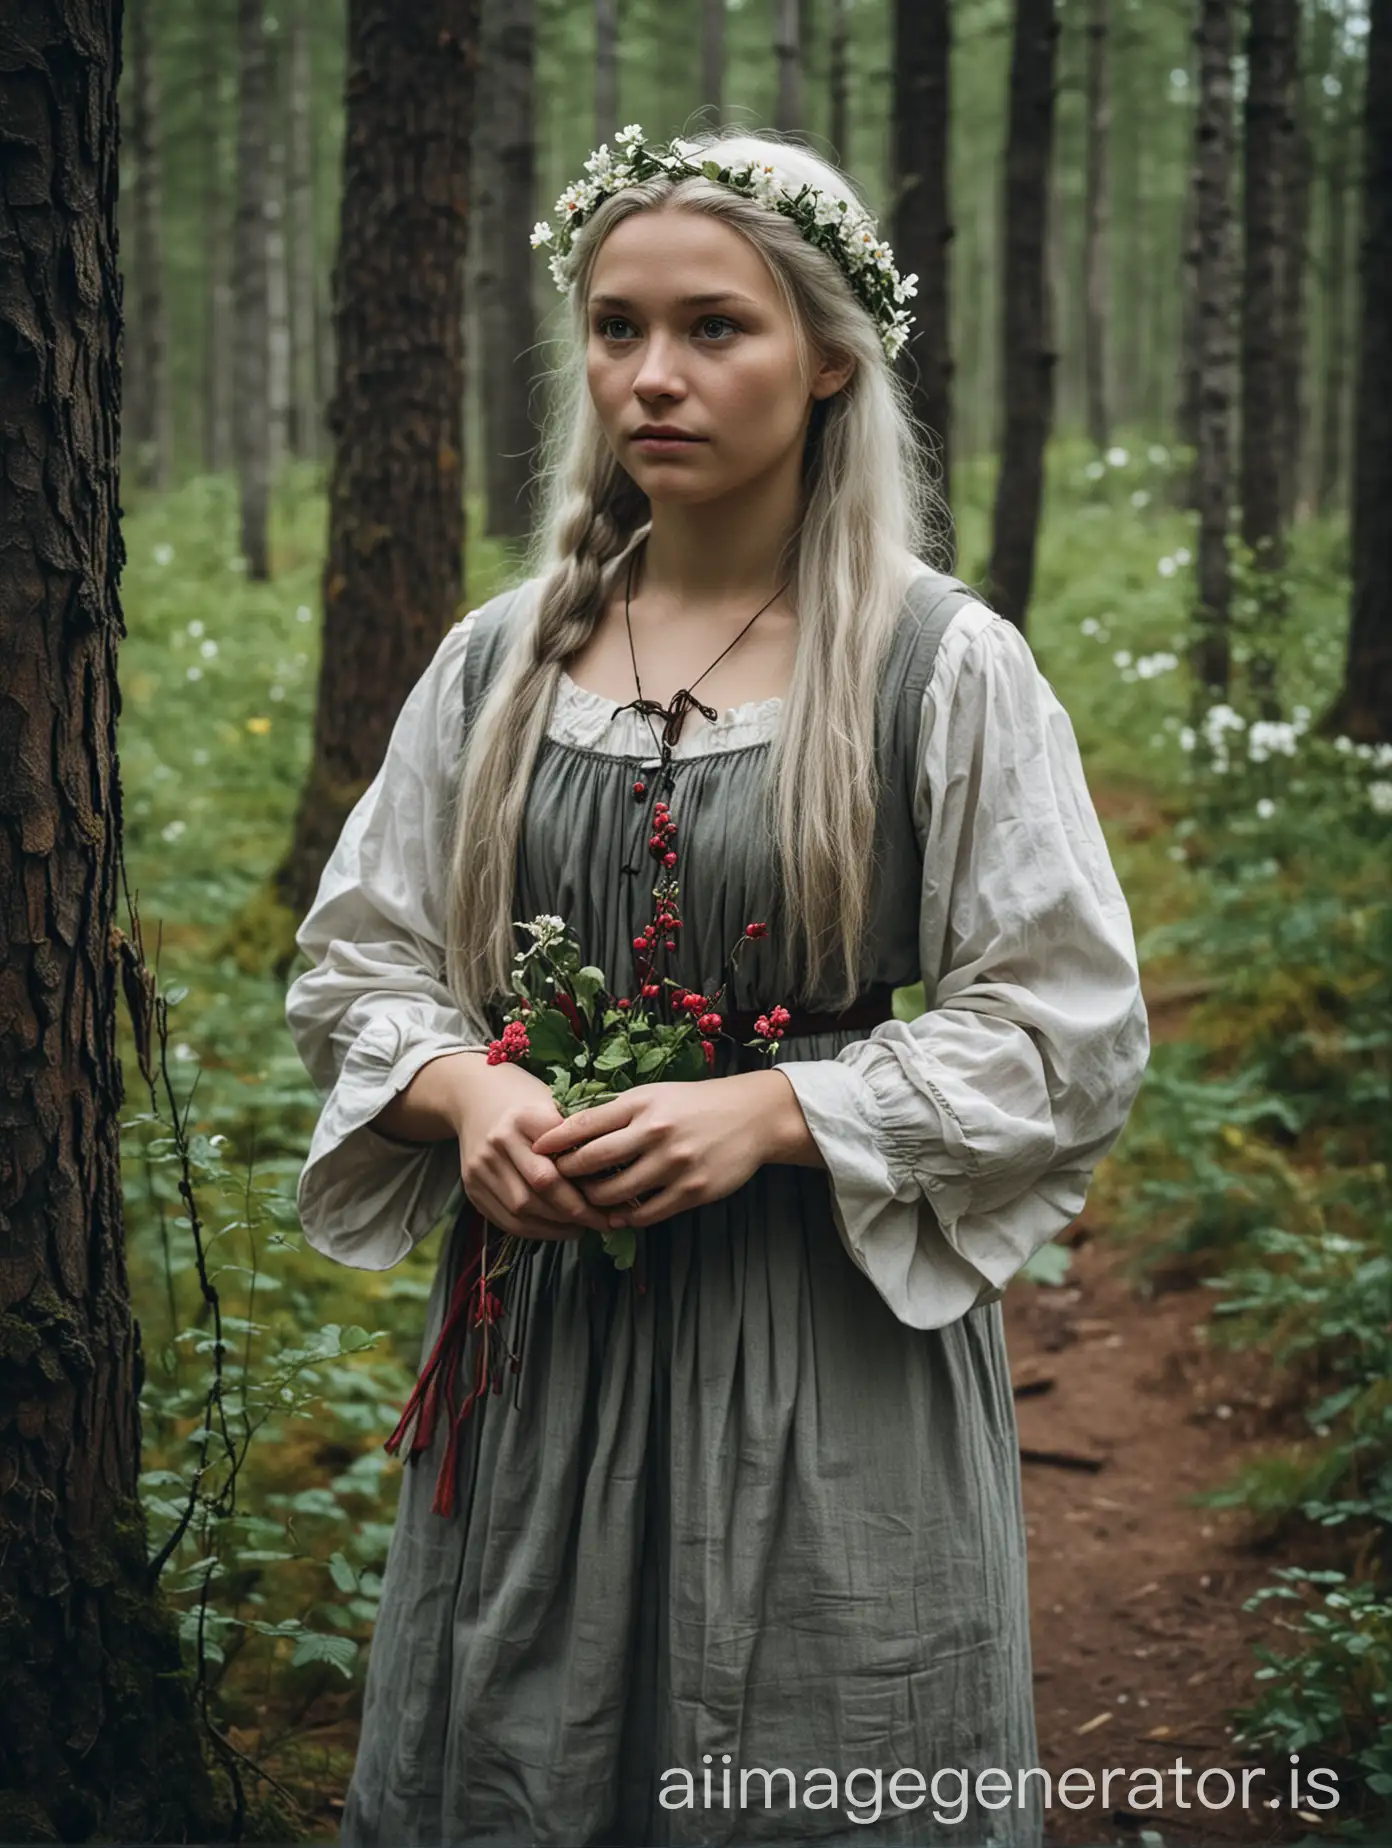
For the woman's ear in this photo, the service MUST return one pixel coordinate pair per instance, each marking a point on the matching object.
(833, 373)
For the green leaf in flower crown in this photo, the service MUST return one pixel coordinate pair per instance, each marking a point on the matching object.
(711, 169)
(552, 1037)
(622, 1246)
(587, 983)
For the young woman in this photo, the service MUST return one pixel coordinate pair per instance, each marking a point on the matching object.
(749, 1542)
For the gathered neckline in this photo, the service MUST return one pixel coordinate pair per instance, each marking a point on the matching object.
(732, 715)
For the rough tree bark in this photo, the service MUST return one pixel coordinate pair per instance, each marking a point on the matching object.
(1266, 164)
(1027, 360)
(1216, 375)
(251, 371)
(923, 229)
(98, 1738)
(505, 200)
(1364, 711)
(1095, 248)
(148, 432)
(393, 574)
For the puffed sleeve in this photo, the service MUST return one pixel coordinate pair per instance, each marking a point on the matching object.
(960, 1142)
(374, 1008)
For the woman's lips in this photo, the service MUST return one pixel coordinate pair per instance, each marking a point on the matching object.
(663, 445)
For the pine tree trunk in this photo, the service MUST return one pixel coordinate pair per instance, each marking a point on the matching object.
(1027, 361)
(148, 434)
(1267, 123)
(713, 59)
(393, 575)
(100, 1738)
(787, 51)
(251, 394)
(505, 195)
(217, 275)
(304, 372)
(606, 19)
(839, 81)
(1364, 712)
(278, 355)
(923, 228)
(1294, 264)
(1095, 252)
(1216, 375)
(1335, 290)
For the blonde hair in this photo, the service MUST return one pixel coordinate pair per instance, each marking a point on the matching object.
(869, 508)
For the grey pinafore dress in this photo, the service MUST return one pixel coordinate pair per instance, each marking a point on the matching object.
(746, 1512)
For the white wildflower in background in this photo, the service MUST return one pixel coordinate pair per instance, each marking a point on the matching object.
(163, 555)
(304, 613)
(1166, 567)
(236, 563)
(1122, 658)
(200, 756)
(1118, 457)
(1158, 454)
(173, 830)
(195, 673)
(1182, 555)
(1178, 851)
(277, 692)
(1266, 808)
(1271, 737)
(1380, 798)
(183, 1052)
(1148, 666)
(209, 651)
(1095, 470)
(1089, 625)
(1188, 737)
(1141, 498)
(195, 628)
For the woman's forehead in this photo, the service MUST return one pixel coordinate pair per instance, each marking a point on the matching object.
(676, 257)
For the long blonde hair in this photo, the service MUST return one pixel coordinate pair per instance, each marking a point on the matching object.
(869, 508)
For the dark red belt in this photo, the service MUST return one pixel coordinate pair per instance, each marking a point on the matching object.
(866, 1011)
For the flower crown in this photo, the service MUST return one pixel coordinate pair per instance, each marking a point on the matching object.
(831, 223)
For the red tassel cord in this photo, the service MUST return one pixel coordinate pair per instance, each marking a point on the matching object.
(473, 1304)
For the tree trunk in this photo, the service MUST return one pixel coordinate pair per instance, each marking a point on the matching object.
(1294, 265)
(1267, 122)
(1364, 711)
(1095, 252)
(923, 228)
(250, 400)
(606, 19)
(217, 275)
(505, 167)
(393, 575)
(98, 1735)
(713, 60)
(304, 371)
(1027, 361)
(278, 354)
(787, 51)
(1214, 318)
(148, 435)
(839, 81)
(1335, 287)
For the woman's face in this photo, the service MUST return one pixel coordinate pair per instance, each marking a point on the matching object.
(688, 334)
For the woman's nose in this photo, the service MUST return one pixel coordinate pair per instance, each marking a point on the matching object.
(659, 375)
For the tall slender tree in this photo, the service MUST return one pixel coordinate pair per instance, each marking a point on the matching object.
(839, 79)
(505, 196)
(98, 1737)
(149, 431)
(1027, 359)
(713, 60)
(1215, 369)
(216, 223)
(923, 228)
(1297, 182)
(1096, 253)
(393, 574)
(606, 26)
(278, 356)
(304, 384)
(1364, 710)
(251, 370)
(1267, 127)
(787, 51)
(1341, 123)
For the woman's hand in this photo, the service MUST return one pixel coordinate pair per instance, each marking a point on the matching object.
(692, 1143)
(501, 1112)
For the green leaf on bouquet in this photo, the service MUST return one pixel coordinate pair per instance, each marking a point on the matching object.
(688, 1061)
(587, 983)
(581, 1060)
(613, 1053)
(622, 1246)
(651, 1057)
(552, 1037)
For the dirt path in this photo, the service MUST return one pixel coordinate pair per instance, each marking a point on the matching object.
(1140, 1642)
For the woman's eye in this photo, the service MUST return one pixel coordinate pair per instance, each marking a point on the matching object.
(718, 322)
(614, 327)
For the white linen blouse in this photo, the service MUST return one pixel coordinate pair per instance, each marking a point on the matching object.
(956, 1144)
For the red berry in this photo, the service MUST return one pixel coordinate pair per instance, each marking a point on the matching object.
(639, 788)
(650, 989)
(640, 943)
(669, 859)
(670, 944)
(623, 1002)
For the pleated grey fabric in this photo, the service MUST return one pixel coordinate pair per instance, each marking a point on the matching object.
(746, 1511)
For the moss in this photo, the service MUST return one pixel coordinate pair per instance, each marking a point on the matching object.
(261, 938)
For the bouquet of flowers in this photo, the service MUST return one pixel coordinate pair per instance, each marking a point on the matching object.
(568, 1026)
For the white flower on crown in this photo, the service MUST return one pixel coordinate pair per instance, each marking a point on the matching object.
(541, 234)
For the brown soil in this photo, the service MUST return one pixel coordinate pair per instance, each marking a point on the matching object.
(1141, 1647)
